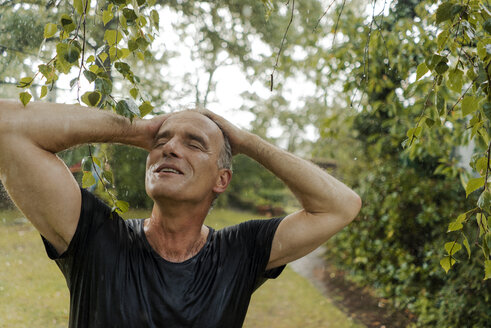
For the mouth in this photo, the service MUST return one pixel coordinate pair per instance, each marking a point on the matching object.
(166, 168)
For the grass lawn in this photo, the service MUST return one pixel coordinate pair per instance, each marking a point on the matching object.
(33, 291)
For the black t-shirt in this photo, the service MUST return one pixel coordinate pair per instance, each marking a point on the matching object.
(116, 279)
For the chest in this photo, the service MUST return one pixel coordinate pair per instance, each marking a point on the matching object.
(205, 291)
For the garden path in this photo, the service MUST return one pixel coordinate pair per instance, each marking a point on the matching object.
(360, 304)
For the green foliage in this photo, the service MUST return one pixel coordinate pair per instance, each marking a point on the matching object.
(128, 167)
(88, 180)
(70, 36)
(394, 245)
(461, 59)
(92, 98)
(487, 265)
(71, 49)
(253, 185)
(418, 94)
(145, 108)
(25, 97)
(269, 5)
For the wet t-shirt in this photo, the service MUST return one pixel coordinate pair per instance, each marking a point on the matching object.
(116, 279)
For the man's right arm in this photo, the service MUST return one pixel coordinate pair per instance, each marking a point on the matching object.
(38, 182)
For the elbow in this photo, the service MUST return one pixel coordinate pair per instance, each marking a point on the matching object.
(345, 209)
(352, 207)
(356, 204)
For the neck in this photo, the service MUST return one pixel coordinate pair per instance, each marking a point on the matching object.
(176, 231)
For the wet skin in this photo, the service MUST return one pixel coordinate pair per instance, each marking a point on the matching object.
(182, 165)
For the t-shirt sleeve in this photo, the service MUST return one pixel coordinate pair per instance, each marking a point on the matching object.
(259, 236)
(93, 214)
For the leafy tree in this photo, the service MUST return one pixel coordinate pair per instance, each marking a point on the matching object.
(458, 64)
(405, 131)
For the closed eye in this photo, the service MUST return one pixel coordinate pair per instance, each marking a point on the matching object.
(195, 146)
(160, 143)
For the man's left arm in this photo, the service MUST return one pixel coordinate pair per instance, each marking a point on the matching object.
(328, 204)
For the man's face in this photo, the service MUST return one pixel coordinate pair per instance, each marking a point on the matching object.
(182, 164)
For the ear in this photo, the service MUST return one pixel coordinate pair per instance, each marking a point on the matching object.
(223, 180)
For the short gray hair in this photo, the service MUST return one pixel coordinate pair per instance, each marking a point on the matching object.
(225, 158)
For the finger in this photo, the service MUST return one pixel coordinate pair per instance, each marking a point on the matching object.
(208, 113)
(160, 119)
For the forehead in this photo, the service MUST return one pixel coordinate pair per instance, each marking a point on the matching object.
(191, 121)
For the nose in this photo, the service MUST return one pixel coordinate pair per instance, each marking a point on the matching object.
(171, 148)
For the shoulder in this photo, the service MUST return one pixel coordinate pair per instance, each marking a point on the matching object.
(251, 229)
(260, 225)
(92, 205)
(97, 219)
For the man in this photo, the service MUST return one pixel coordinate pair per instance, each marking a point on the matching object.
(169, 270)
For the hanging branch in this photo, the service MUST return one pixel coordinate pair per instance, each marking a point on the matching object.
(282, 42)
(366, 58)
(425, 105)
(382, 35)
(96, 172)
(337, 23)
(83, 20)
(462, 96)
(487, 168)
(324, 14)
